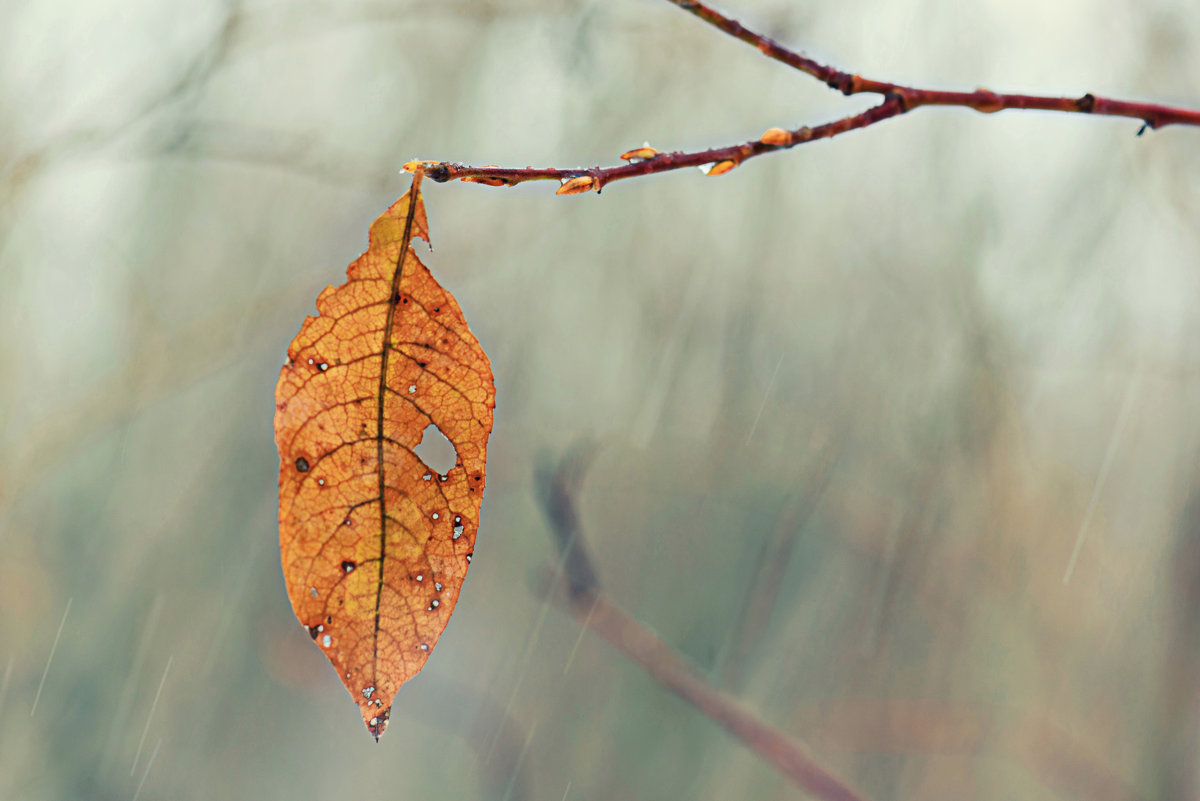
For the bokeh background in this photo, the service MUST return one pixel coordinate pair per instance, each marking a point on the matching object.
(894, 437)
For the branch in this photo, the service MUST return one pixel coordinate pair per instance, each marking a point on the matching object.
(983, 100)
(600, 616)
(897, 100)
(874, 726)
(647, 161)
(662, 663)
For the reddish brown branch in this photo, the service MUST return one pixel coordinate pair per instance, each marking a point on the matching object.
(1153, 115)
(897, 100)
(718, 160)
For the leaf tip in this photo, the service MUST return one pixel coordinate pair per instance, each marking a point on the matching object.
(378, 722)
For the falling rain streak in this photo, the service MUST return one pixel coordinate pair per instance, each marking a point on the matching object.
(38, 695)
(150, 716)
(1105, 466)
(4, 682)
(146, 772)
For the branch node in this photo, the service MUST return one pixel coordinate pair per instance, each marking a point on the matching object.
(898, 97)
(435, 170)
(846, 84)
(1087, 103)
(989, 102)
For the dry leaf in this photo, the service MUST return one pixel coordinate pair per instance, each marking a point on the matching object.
(374, 543)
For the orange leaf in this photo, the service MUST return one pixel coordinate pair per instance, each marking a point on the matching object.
(375, 544)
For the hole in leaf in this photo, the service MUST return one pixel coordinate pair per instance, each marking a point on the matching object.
(435, 450)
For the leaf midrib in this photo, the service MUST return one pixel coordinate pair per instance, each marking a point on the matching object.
(393, 304)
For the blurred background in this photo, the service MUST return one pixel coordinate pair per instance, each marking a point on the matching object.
(894, 436)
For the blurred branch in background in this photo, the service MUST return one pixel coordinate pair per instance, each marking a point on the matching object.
(763, 594)
(602, 617)
(177, 95)
(875, 726)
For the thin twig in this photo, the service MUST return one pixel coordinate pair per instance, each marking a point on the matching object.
(557, 486)
(600, 616)
(878, 726)
(717, 161)
(897, 99)
(984, 100)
